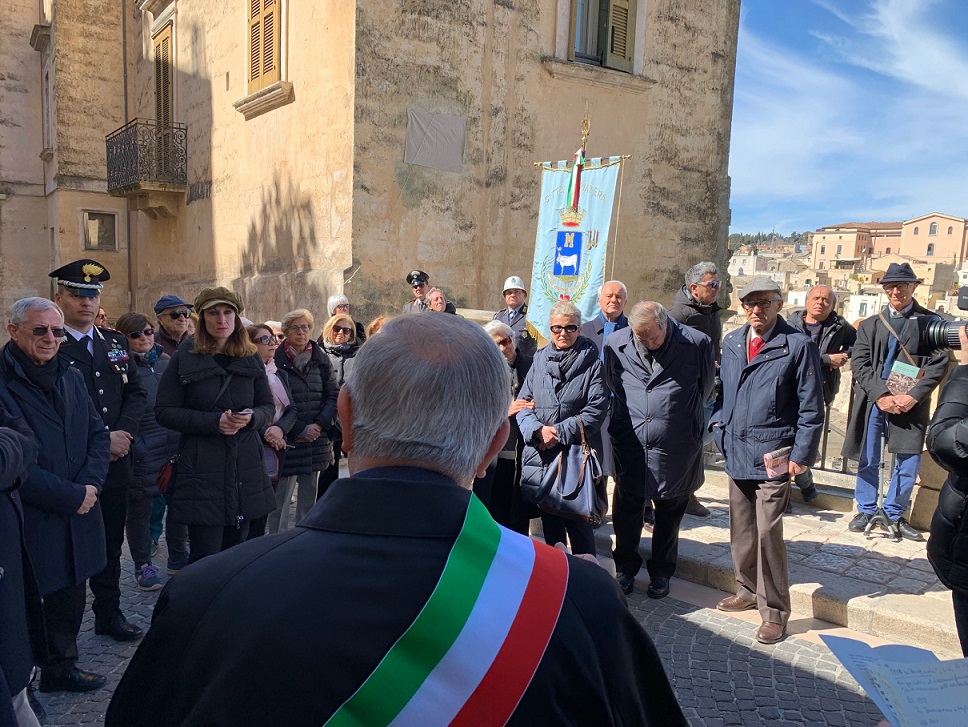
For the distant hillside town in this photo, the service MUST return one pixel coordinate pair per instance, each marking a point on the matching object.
(851, 258)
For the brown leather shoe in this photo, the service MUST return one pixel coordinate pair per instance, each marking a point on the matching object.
(735, 603)
(770, 633)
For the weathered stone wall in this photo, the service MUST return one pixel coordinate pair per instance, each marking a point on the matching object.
(24, 246)
(489, 62)
(267, 210)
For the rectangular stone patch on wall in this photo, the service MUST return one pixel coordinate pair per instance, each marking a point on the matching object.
(435, 140)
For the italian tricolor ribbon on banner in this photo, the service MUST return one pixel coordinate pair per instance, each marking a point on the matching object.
(471, 653)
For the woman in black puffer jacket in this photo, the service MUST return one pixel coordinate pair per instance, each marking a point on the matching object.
(314, 392)
(215, 392)
(565, 382)
(340, 342)
(948, 446)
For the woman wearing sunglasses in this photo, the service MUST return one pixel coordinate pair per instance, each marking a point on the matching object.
(340, 342)
(274, 435)
(565, 382)
(152, 447)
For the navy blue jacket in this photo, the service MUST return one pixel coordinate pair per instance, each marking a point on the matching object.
(656, 419)
(153, 444)
(772, 402)
(65, 548)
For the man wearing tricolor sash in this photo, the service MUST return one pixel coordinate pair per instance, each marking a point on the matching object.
(398, 600)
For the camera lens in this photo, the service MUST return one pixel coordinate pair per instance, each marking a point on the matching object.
(938, 334)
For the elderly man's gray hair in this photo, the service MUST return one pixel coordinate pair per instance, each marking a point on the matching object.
(619, 283)
(565, 308)
(646, 312)
(20, 309)
(697, 272)
(498, 328)
(433, 390)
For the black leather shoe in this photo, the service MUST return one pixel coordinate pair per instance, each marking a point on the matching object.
(626, 582)
(74, 680)
(904, 528)
(118, 629)
(859, 522)
(659, 587)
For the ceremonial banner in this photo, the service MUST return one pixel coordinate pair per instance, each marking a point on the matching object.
(573, 227)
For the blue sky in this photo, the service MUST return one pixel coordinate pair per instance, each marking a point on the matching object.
(849, 110)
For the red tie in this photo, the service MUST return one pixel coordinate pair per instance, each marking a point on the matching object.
(756, 345)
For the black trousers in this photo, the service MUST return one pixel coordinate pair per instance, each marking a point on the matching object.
(627, 512)
(500, 491)
(211, 539)
(138, 526)
(63, 613)
(329, 475)
(580, 536)
(106, 585)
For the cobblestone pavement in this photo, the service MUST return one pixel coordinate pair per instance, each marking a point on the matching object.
(720, 674)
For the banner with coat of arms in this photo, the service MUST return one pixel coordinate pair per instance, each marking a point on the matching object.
(574, 219)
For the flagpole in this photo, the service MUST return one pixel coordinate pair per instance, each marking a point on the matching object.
(618, 215)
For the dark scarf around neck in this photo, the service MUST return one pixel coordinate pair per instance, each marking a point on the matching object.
(43, 376)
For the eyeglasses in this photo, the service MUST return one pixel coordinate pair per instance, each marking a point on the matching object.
(896, 286)
(176, 314)
(342, 306)
(761, 304)
(136, 335)
(301, 328)
(342, 329)
(418, 285)
(506, 341)
(41, 331)
(712, 284)
(265, 340)
(570, 328)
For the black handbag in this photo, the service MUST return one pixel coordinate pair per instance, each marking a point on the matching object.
(573, 486)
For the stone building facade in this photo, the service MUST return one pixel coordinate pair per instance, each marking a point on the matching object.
(288, 120)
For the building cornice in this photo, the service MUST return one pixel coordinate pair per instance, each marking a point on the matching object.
(265, 99)
(596, 76)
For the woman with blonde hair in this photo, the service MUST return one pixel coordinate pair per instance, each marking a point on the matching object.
(217, 395)
(340, 342)
(314, 392)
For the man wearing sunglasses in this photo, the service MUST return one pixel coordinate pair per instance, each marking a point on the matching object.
(695, 306)
(102, 356)
(63, 528)
(771, 397)
(172, 313)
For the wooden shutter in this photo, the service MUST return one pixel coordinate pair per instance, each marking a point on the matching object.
(264, 43)
(620, 35)
(163, 86)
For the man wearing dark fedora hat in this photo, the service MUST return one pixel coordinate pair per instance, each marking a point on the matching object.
(888, 346)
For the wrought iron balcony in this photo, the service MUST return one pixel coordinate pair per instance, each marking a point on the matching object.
(147, 156)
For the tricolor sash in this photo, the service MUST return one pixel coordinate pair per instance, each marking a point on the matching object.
(473, 649)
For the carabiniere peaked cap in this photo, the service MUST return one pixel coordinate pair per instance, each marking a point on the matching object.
(85, 277)
(415, 277)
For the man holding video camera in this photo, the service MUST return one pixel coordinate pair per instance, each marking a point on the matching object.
(889, 346)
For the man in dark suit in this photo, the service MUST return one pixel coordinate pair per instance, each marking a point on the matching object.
(63, 528)
(660, 374)
(114, 384)
(398, 597)
(515, 316)
(884, 341)
(771, 398)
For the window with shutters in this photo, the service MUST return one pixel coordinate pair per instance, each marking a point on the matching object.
(264, 43)
(603, 32)
(164, 98)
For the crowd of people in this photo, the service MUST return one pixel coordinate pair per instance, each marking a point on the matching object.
(204, 426)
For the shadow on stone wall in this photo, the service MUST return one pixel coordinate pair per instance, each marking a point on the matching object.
(282, 234)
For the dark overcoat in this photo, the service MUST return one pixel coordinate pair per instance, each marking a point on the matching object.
(773, 401)
(705, 318)
(314, 391)
(235, 631)
(524, 340)
(21, 613)
(947, 437)
(154, 444)
(656, 418)
(65, 548)
(594, 331)
(114, 384)
(906, 431)
(836, 336)
(218, 478)
(557, 403)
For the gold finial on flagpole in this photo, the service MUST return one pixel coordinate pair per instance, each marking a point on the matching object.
(585, 126)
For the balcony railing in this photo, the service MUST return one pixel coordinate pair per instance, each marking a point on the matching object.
(147, 156)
